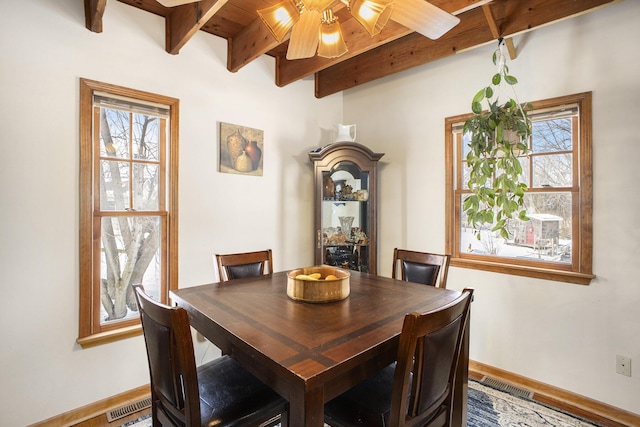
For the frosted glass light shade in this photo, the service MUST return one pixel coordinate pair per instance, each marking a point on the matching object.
(304, 39)
(318, 5)
(424, 18)
(332, 43)
(373, 15)
(280, 17)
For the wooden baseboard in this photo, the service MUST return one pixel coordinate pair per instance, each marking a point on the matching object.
(95, 409)
(589, 405)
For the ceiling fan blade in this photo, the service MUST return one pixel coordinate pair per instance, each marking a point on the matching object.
(303, 42)
(423, 17)
(173, 3)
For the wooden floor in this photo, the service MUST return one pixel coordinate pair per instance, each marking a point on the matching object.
(101, 421)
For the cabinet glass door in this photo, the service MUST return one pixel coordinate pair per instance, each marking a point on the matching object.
(345, 231)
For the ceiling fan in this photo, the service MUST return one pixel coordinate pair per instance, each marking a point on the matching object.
(315, 29)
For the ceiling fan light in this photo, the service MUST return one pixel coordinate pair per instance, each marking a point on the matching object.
(318, 5)
(424, 18)
(280, 17)
(303, 42)
(332, 43)
(372, 14)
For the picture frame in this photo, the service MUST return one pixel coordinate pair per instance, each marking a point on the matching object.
(241, 149)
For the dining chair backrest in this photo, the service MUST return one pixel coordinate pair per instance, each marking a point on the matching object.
(241, 265)
(172, 366)
(428, 357)
(421, 267)
(219, 392)
(418, 389)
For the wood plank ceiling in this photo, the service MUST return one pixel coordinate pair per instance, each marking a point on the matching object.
(395, 49)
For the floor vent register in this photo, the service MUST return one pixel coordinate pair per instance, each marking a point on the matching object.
(509, 388)
(128, 409)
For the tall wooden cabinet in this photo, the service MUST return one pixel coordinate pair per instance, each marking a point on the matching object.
(346, 176)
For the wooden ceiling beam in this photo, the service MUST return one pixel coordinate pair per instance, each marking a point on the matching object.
(496, 32)
(414, 50)
(492, 22)
(184, 22)
(511, 48)
(255, 40)
(402, 54)
(359, 41)
(93, 12)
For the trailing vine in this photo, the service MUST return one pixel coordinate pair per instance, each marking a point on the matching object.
(499, 136)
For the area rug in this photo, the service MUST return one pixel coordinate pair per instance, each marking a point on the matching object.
(145, 421)
(489, 407)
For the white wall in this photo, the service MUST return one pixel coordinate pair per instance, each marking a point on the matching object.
(44, 50)
(561, 334)
(565, 335)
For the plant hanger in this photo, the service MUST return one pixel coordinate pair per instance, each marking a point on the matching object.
(499, 136)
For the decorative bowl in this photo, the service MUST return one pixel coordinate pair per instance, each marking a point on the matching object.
(321, 290)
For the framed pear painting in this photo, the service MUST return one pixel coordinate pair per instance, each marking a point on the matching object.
(241, 149)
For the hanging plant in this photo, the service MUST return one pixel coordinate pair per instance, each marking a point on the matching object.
(499, 136)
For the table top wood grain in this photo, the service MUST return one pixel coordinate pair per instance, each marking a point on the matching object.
(307, 352)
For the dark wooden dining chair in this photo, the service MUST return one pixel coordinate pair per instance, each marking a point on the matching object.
(417, 390)
(421, 267)
(219, 393)
(247, 264)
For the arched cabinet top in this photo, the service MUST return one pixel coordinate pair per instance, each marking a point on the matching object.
(354, 149)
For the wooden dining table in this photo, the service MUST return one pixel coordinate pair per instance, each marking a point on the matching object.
(312, 352)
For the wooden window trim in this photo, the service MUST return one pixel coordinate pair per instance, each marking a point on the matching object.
(89, 333)
(580, 270)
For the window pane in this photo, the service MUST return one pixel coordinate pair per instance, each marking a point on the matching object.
(551, 135)
(145, 187)
(114, 133)
(526, 170)
(557, 204)
(114, 186)
(548, 233)
(545, 237)
(465, 175)
(489, 243)
(466, 140)
(130, 254)
(552, 170)
(146, 136)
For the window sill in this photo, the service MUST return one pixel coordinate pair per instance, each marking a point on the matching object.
(109, 336)
(527, 271)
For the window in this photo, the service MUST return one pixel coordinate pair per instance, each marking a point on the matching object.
(556, 242)
(128, 206)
